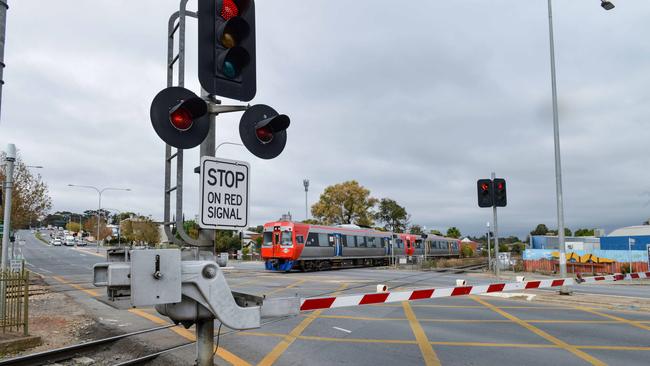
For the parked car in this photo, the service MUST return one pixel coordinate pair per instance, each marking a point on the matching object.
(69, 241)
(81, 242)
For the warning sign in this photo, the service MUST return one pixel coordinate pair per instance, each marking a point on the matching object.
(224, 193)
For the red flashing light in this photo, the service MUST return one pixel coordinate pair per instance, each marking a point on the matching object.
(500, 186)
(484, 187)
(181, 118)
(264, 134)
(229, 9)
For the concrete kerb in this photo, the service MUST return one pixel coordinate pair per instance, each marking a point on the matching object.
(18, 344)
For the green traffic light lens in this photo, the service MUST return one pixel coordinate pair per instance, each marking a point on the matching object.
(229, 70)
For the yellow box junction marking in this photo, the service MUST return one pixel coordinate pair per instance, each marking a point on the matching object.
(429, 355)
(618, 319)
(221, 352)
(281, 347)
(560, 343)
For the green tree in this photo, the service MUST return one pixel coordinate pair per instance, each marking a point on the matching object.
(584, 232)
(30, 196)
(436, 232)
(416, 230)
(453, 232)
(518, 248)
(311, 221)
(140, 229)
(392, 215)
(503, 248)
(541, 229)
(73, 226)
(227, 240)
(466, 251)
(345, 203)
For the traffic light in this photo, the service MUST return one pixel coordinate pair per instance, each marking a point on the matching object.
(500, 192)
(263, 131)
(485, 194)
(227, 48)
(180, 117)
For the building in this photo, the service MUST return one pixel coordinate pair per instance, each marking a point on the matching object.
(619, 239)
(587, 243)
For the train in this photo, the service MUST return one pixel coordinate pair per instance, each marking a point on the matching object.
(288, 246)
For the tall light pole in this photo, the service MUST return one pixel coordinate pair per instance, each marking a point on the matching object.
(99, 193)
(305, 182)
(607, 5)
(488, 245)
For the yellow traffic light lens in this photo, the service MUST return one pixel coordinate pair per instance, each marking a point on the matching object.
(228, 40)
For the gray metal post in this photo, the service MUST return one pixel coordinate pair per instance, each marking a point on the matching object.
(496, 235)
(558, 165)
(205, 342)
(207, 148)
(9, 184)
(488, 245)
(305, 182)
(630, 242)
(3, 29)
(98, 210)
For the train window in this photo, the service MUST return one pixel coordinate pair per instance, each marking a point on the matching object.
(323, 241)
(418, 244)
(267, 239)
(361, 241)
(331, 239)
(344, 240)
(444, 245)
(350, 241)
(300, 239)
(312, 240)
(398, 243)
(371, 242)
(286, 238)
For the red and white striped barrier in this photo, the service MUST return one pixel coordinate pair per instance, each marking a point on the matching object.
(316, 303)
(614, 277)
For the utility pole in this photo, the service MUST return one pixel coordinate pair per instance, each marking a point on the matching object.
(3, 28)
(496, 235)
(9, 183)
(488, 246)
(305, 182)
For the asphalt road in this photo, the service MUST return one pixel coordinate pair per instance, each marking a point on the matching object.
(471, 330)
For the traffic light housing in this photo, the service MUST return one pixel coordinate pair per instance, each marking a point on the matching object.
(180, 117)
(227, 48)
(263, 131)
(485, 193)
(500, 192)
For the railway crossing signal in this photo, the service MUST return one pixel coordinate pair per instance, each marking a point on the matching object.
(227, 48)
(180, 117)
(263, 131)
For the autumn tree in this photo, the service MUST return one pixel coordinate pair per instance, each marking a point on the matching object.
(140, 229)
(416, 230)
(30, 197)
(73, 226)
(90, 225)
(392, 215)
(345, 203)
(453, 232)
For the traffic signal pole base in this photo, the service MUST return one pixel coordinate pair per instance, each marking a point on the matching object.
(564, 290)
(205, 342)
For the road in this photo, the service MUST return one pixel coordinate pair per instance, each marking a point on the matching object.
(471, 330)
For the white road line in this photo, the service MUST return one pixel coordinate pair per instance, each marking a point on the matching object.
(342, 330)
(45, 270)
(83, 255)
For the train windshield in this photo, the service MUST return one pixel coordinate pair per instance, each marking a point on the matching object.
(268, 238)
(286, 238)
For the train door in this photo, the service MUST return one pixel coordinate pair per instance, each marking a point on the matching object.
(338, 245)
(277, 239)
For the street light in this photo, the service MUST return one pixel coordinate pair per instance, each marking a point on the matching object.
(607, 5)
(305, 182)
(99, 193)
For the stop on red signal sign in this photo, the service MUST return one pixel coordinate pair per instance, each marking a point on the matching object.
(224, 193)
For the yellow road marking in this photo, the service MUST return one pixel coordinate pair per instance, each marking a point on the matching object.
(617, 348)
(92, 293)
(429, 355)
(281, 347)
(560, 343)
(618, 319)
(221, 352)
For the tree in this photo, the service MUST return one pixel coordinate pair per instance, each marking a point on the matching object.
(345, 203)
(117, 218)
(466, 251)
(518, 248)
(584, 232)
(90, 225)
(503, 248)
(541, 229)
(226, 241)
(30, 196)
(140, 229)
(453, 232)
(416, 230)
(311, 221)
(73, 226)
(394, 216)
(436, 232)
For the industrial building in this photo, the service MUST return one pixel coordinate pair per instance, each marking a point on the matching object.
(619, 239)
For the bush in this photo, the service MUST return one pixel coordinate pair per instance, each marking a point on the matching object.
(466, 251)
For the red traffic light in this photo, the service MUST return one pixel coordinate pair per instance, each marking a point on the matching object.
(263, 131)
(484, 187)
(500, 186)
(179, 117)
(264, 134)
(229, 9)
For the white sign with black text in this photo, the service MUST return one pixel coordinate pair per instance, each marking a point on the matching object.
(224, 193)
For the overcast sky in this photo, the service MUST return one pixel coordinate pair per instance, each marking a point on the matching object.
(416, 100)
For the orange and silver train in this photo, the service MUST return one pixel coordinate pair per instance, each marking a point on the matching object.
(290, 246)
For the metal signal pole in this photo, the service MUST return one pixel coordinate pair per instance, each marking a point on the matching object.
(496, 235)
(3, 28)
(305, 182)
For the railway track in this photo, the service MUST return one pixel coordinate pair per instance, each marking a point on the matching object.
(462, 269)
(69, 352)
